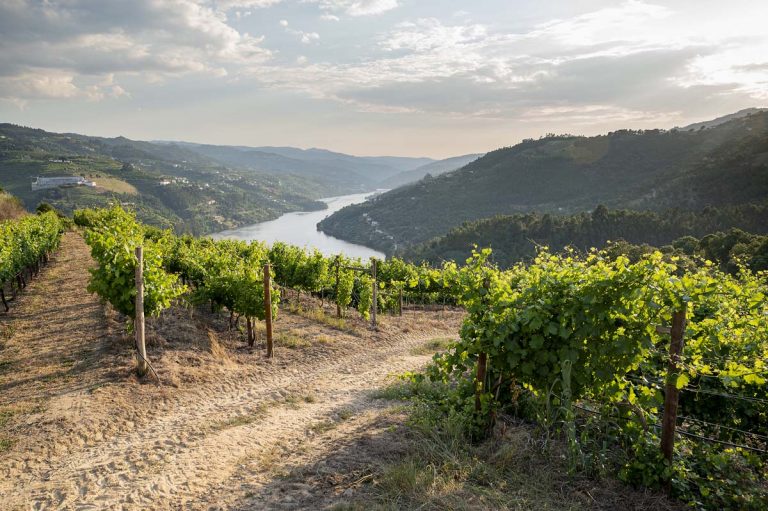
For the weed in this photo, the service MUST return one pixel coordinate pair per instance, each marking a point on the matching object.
(241, 420)
(5, 416)
(5, 444)
(291, 340)
(322, 427)
(5, 365)
(432, 346)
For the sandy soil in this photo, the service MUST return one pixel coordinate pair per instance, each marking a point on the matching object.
(79, 431)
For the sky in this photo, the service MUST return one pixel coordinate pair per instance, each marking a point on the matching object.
(372, 77)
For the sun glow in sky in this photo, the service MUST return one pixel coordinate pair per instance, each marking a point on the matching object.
(403, 77)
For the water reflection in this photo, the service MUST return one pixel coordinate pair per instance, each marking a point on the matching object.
(300, 228)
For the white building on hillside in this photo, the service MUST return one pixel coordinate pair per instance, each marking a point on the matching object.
(44, 183)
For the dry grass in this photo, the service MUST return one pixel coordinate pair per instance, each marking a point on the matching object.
(112, 184)
(432, 346)
(242, 420)
(291, 339)
(442, 469)
(10, 207)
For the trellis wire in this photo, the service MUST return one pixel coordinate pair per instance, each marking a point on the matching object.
(680, 431)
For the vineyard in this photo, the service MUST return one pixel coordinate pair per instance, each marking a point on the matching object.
(227, 274)
(25, 245)
(582, 346)
(579, 344)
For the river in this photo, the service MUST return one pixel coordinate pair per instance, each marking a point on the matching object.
(300, 228)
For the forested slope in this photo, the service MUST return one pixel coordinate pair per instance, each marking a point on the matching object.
(653, 169)
(515, 238)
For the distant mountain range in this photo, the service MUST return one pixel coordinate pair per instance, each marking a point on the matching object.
(194, 188)
(345, 173)
(723, 165)
(434, 168)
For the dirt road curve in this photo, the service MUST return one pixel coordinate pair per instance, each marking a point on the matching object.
(81, 433)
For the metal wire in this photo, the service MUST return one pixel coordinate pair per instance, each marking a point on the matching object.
(715, 425)
(724, 394)
(682, 432)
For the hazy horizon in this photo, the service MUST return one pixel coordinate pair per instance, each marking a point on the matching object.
(376, 77)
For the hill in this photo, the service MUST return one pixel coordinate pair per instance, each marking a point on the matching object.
(652, 169)
(514, 238)
(10, 206)
(343, 172)
(720, 120)
(434, 168)
(169, 185)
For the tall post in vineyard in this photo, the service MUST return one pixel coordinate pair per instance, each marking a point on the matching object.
(375, 290)
(400, 300)
(336, 288)
(482, 365)
(671, 392)
(139, 322)
(268, 309)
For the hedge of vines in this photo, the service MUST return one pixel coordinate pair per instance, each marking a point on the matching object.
(25, 243)
(570, 333)
(229, 273)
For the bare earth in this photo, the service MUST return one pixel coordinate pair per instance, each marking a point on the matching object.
(225, 429)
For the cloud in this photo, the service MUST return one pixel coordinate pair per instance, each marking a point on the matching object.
(357, 7)
(601, 65)
(624, 60)
(49, 48)
(304, 37)
(225, 5)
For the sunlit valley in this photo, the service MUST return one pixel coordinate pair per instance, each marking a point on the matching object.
(383, 254)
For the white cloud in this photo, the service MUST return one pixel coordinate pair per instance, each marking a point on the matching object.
(304, 37)
(357, 7)
(46, 46)
(604, 65)
(226, 5)
(625, 60)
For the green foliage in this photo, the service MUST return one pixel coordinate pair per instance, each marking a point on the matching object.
(364, 291)
(113, 236)
(298, 268)
(515, 238)
(583, 329)
(227, 273)
(25, 241)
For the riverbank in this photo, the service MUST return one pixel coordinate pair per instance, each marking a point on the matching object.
(300, 228)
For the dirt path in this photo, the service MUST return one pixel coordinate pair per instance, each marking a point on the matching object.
(88, 436)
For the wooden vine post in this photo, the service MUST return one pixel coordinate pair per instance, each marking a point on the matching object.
(671, 393)
(375, 291)
(139, 323)
(250, 333)
(268, 309)
(336, 288)
(482, 365)
(400, 300)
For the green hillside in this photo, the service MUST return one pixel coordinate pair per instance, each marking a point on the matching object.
(515, 238)
(168, 185)
(434, 168)
(653, 169)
